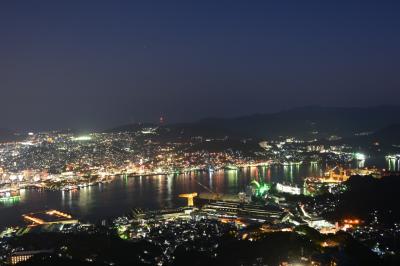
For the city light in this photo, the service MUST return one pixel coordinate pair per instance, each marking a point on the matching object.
(360, 156)
(82, 138)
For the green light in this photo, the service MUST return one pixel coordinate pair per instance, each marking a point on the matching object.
(122, 232)
(261, 188)
(10, 200)
(255, 182)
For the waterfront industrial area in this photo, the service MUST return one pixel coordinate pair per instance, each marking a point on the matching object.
(254, 216)
(199, 133)
(66, 161)
(297, 207)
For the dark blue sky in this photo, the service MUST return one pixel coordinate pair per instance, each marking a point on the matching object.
(98, 63)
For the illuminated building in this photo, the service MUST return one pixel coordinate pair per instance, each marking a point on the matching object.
(351, 223)
(82, 138)
(235, 210)
(359, 156)
(288, 189)
(21, 256)
(366, 171)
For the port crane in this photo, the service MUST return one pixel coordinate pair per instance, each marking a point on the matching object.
(191, 196)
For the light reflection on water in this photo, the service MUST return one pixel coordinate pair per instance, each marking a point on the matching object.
(393, 164)
(148, 192)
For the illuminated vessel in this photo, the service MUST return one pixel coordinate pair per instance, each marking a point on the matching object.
(231, 167)
(339, 174)
(334, 175)
(69, 188)
(9, 194)
(292, 163)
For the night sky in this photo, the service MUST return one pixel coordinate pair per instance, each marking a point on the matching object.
(97, 64)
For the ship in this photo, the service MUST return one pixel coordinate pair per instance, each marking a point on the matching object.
(339, 174)
(9, 194)
(69, 188)
(296, 163)
(231, 167)
(334, 175)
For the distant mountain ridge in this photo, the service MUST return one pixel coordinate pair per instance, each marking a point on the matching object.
(299, 122)
(389, 134)
(130, 127)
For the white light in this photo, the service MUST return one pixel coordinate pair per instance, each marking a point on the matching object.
(360, 156)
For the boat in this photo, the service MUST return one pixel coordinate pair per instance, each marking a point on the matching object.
(9, 194)
(70, 188)
(339, 174)
(231, 167)
(292, 163)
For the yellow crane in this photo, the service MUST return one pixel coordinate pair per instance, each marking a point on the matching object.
(189, 197)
